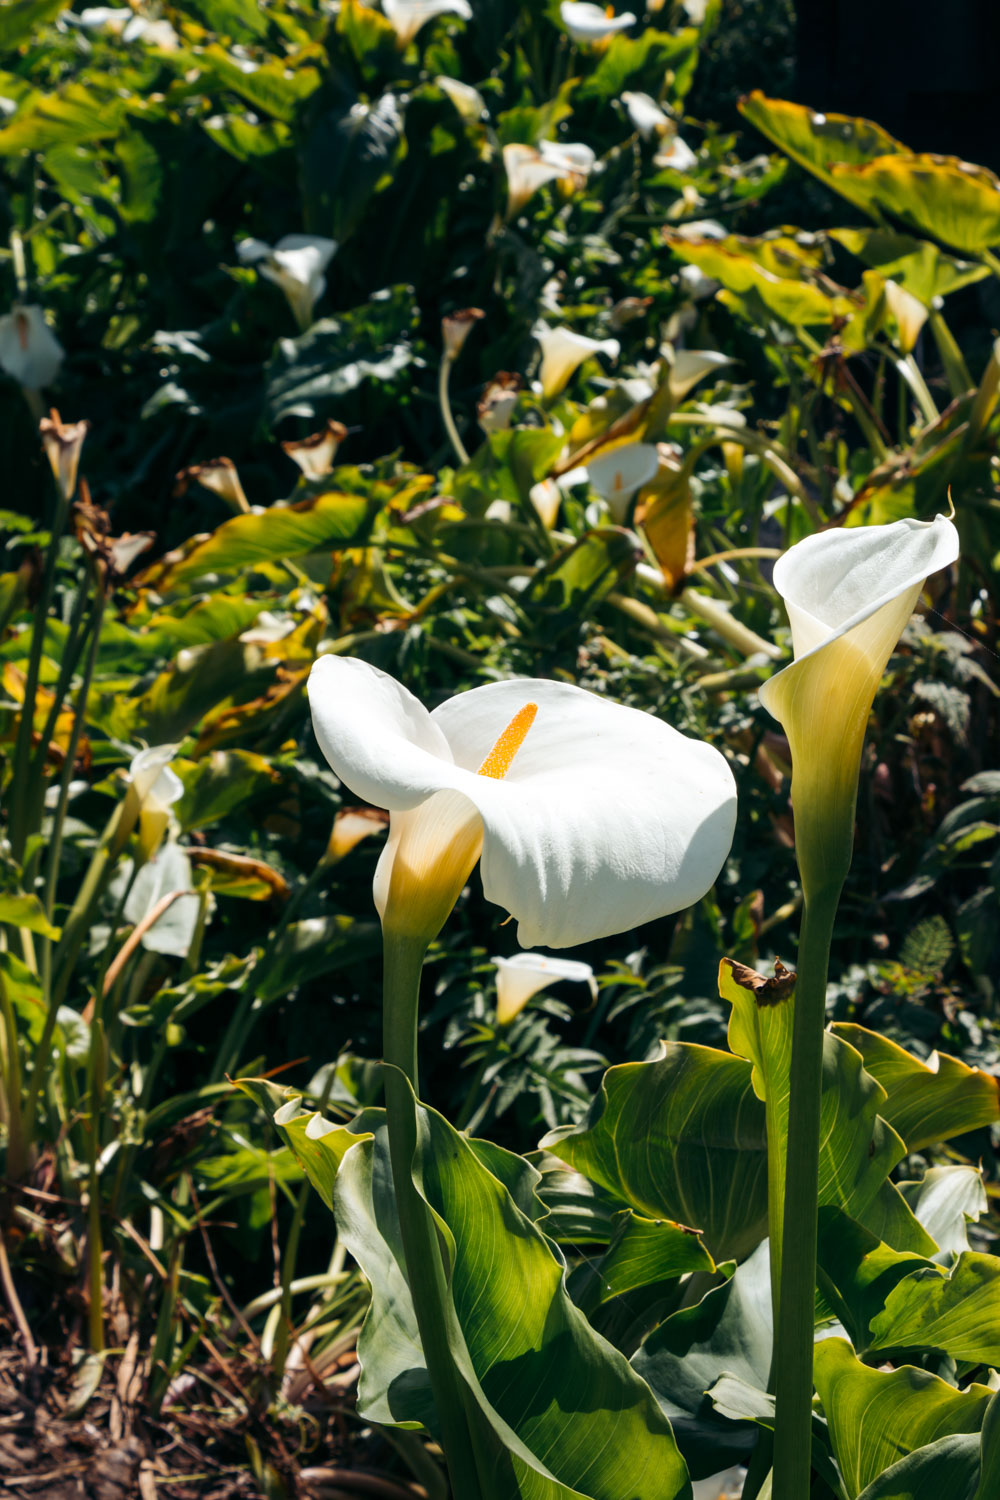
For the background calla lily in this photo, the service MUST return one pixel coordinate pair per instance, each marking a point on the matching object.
(563, 352)
(296, 264)
(527, 974)
(849, 594)
(691, 366)
(591, 817)
(29, 350)
(645, 115)
(589, 24)
(529, 167)
(618, 474)
(152, 790)
(407, 16)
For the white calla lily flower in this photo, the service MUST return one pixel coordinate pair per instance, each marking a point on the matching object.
(692, 365)
(848, 594)
(563, 352)
(546, 497)
(468, 101)
(676, 154)
(525, 975)
(29, 350)
(529, 167)
(296, 264)
(153, 788)
(408, 16)
(728, 1485)
(909, 312)
(590, 25)
(646, 115)
(590, 817)
(572, 159)
(618, 474)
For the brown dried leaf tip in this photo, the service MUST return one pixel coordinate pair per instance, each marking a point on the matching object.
(765, 991)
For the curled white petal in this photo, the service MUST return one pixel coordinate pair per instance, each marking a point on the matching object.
(692, 365)
(563, 351)
(618, 474)
(296, 264)
(588, 23)
(408, 16)
(29, 350)
(527, 974)
(606, 817)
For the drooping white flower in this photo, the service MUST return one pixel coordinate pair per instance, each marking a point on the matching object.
(692, 365)
(590, 25)
(563, 351)
(590, 817)
(527, 974)
(646, 115)
(618, 474)
(29, 350)
(468, 101)
(153, 788)
(848, 592)
(408, 16)
(296, 264)
(529, 167)
(676, 154)
(315, 454)
(909, 312)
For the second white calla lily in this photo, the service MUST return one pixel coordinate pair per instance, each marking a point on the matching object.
(563, 352)
(29, 350)
(618, 474)
(296, 264)
(153, 788)
(591, 25)
(848, 594)
(408, 16)
(527, 974)
(590, 817)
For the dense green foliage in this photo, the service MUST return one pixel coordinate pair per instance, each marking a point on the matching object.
(839, 389)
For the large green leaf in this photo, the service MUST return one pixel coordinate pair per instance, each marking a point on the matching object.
(925, 1102)
(308, 375)
(921, 267)
(857, 1271)
(958, 1314)
(876, 1417)
(939, 195)
(786, 293)
(680, 1138)
(283, 531)
(219, 784)
(349, 150)
(567, 1415)
(642, 62)
(948, 1468)
(644, 1251)
(945, 1201)
(728, 1332)
(74, 116)
(20, 19)
(816, 141)
(17, 910)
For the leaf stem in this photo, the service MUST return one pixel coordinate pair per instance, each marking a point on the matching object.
(794, 1323)
(404, 958)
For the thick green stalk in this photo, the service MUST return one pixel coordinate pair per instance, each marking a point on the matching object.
(793, 1356)
(404, 958)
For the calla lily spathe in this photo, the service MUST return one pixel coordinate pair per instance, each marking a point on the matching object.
(848, 594)
(527, 974)
(29, 350)
(153, 788)
(590, 817)
(690, 366)
(408, 16)
(618, 474)
(296, 264)
(645, 115)
(530, 167)
(909, 313)
(590, 25)
(563, 352)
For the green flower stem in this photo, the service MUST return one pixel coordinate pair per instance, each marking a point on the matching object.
(444, 374)
(404, 958)
(794, 1325)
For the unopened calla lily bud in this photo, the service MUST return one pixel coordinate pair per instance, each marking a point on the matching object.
(63, 442)
(456, 327)
(848, 593)
(909, 313)
(218, 475)
(153, 788)
(315, 454)
(526, 974)
(546, 497)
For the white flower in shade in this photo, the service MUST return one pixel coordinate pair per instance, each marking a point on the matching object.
(296, 263)
(468, 101)
(528, 168)
(29, 350)
(153, 33)
(618, 474)
(527, 974)
(590, 24)
(315, 454)
(676, 154)
(697, 285)
(153, 788)
(646, 115)
(408, 16)
(909, 312)
(848, 593)
(111, 18)
(692, 365)
(563, 352)
(589, 817)
(546, 497)
(729, 1484)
